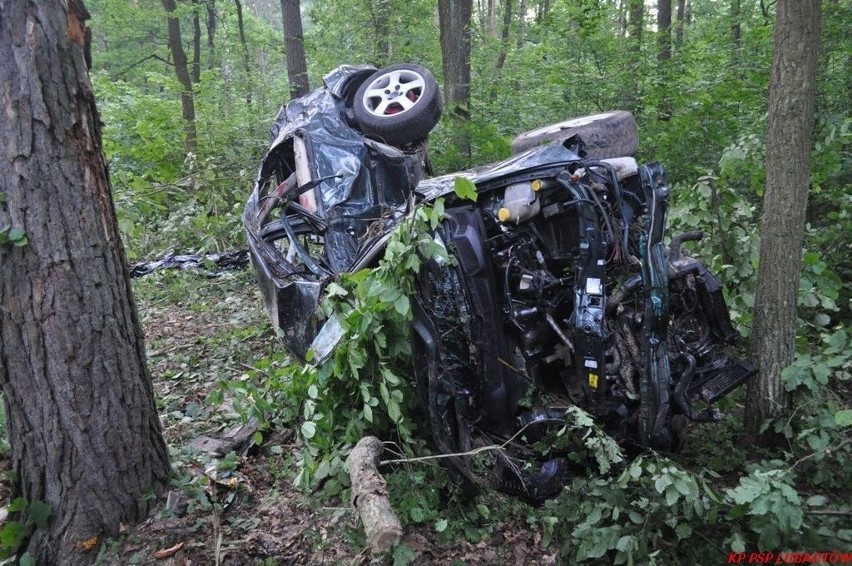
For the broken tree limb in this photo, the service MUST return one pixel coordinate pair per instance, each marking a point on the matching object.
(370, 496)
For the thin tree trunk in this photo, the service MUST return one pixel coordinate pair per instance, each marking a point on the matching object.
(792, 93)
(678, 41)
(492, 18)
(664, 55)
(454, 21)
(196, 43)
(244, 48)
(297, 66)
(736, 32)
(380, 10)
(211, 34)
(522, 22)
(182, 72)
(83, 427)
(636, 14)
(504, 35)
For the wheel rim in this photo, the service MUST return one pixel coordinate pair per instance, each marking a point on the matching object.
(394, 92)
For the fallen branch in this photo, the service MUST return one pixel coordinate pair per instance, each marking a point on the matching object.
(370, 496)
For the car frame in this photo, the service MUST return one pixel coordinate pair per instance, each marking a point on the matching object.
(563, 289)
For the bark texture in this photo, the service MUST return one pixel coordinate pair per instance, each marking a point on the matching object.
(187, 100)
(454, 21)
(792, 93)
(83, 427)
(636, 10)
(370, 496)
(294, 44)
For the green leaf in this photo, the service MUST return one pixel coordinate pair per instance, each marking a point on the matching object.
(671, 496)
(403, 555)
(416, 514)
(402, 305)
(309, 429)
(40, 512)
(464, 188)
(368, 413)
(441, 525)
(313, 392)
(12, 535)
(17, 504)
(393, 411)
(258, 438)
(626, 543)
(27, 560)
(737, 543)
(16, 234)
(843, 418)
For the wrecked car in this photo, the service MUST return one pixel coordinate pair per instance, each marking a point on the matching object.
(563, 291)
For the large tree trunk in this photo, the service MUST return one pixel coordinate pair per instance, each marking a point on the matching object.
(454, 20)
(297, 66)
(792, 91)
(83, 427)
(182, 71)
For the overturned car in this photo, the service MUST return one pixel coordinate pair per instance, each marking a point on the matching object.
(562, 293)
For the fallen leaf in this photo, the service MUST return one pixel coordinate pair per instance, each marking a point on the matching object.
(167, 552)
(88, 544)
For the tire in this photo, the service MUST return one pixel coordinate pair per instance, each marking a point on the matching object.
(607, 135)
(399, 104)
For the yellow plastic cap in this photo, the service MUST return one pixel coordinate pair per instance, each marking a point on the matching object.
(536, 185)
(504, 215)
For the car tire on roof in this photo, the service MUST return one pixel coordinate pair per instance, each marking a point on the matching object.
(399, 104)
(606, 135)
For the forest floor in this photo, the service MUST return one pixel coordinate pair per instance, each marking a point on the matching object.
(244, 509)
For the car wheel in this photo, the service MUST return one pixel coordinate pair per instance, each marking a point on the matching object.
(399, 104)
(606, 135)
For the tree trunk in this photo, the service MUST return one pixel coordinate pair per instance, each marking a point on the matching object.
(211, 34)
(636, 14)
(380, 12)
(196, 44)
(504, 35)
(678, 41)
(297, 66)
(492, 18)
(792, 92)
(664, 55)
(522, 23)
(182, 71)
(83, 427)
(454, 21)
(244, 48)
(664, 30)
(736, 31)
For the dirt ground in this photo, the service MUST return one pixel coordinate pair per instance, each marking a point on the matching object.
(245, 510)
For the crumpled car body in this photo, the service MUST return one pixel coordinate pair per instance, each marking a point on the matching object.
(563, 293)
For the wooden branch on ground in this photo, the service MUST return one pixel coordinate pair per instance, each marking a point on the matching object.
(370, 496)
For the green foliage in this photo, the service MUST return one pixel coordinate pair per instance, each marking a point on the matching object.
(361, 387)
(13, 236)
(14, 533)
